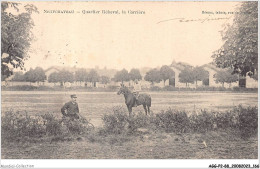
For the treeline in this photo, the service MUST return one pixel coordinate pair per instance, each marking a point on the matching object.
(81, 75)
(189, 75)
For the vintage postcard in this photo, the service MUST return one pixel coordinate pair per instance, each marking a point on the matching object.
(144, 81)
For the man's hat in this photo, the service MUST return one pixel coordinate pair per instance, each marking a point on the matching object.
(73, 96)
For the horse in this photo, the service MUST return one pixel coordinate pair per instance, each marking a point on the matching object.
(143, 99)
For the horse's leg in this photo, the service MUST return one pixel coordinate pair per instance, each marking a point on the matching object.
(129, 110)
(148, 110)
(145, 109)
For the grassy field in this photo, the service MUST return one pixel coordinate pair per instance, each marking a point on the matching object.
(220, 145)
(93, 105)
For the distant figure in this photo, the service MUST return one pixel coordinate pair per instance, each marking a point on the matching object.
(137, 89)
(71, 109)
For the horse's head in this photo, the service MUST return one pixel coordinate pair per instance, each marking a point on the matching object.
(122, 90)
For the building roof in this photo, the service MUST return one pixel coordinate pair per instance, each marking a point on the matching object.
(180, 65)
(211, 66)
(52, 68)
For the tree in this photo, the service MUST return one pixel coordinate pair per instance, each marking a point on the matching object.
(18, 77)
(104, 80)
(186, 76)
(93, 77)
(54, 77)
(199, 74)
(152, 76)
(29, 76)
(226, 76)
(166, 73)
(35, 75)
(81, 75)
(122, 76)
(39, 74)
(135, 74)
(65, 76)
(16, 36)
(240, 49)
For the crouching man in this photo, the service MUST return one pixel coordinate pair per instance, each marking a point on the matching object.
(71, 109)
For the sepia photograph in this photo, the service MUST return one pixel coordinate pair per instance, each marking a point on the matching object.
(129, 80)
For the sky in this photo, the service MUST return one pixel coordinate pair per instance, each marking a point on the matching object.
(168, 31)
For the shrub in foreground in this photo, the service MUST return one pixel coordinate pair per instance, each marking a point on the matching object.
(171, 121)
(121, 123)
(229, 119)
(247, 121)
(19, 125)
(202, 122)
(115, 123)
(53, 125)
(244, 120)
(139, 120)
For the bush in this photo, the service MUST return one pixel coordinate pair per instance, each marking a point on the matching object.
(26, 88)
(242, 89)
(170, 88)
(209, 88)
(22, 87)
(171, 121)
(80, 126)
(120, 123)
(202, 122)
(19, 125)
(242, 119)
(227, 119)
(112, 87)
(115, 123)
(155, 88)
(138, 121)
(53, 126)
(247, 121)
